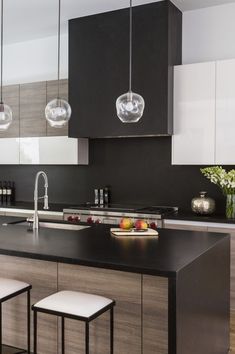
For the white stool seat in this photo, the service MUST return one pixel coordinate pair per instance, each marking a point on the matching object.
(74, 303)
(10, 287)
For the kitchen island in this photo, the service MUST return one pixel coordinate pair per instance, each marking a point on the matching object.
(172, 292)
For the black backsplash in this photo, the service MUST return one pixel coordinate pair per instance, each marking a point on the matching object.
(138, 170)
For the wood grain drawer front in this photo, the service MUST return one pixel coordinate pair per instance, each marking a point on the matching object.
(232, 331)
(52, 92)
(123, 287)
(43, 277)
(11, 97)
(155, 315)
(32, 109)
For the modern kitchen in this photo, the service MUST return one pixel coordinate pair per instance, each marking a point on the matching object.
(117, 177)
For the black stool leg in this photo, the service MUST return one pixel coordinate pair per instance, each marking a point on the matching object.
(28, 321)
(0, 328)
(87, 337)
(111, 331)
(62, 336)
(35, 331)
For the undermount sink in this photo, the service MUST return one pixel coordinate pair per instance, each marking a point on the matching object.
(52, 225)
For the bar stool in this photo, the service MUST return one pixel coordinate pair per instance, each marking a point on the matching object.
(9, 289)
(74, 305)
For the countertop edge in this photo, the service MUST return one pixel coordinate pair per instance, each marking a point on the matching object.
(93, 264)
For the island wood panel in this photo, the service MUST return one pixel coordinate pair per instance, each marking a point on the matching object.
(125, 289)
(155, 315)
(11, 97)
(232, 331)
(32, 109)
(43, 277)
(52, 93)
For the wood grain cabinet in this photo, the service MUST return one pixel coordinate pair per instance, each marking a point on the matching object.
(43, 277)
(11, 97)
(123, 287)
(30, 139)
(148, 308)
(51, 93)
(155, 315)
(32, 109)
(33, 100)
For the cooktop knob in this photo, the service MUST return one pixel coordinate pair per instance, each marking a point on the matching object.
(70, 218)
(90, 220)
(76, 219)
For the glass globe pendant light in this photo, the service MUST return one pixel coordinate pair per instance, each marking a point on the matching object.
(58, 111)
(130, 105)
(5, 110)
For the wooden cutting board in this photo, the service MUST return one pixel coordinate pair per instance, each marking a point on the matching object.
(120, 232)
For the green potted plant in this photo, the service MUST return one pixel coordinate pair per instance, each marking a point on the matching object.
(226, 181)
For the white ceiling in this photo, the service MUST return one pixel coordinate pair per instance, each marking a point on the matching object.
(30, 19)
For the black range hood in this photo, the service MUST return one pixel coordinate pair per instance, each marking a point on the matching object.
(98, 69)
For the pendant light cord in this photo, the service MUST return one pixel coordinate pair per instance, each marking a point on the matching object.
(58, 76)
(1, 48)
(130, 53)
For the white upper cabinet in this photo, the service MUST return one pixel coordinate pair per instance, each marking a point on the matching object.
(44, 151)
(9, 151)
(193, 141)
(59, 150)
(225, 112)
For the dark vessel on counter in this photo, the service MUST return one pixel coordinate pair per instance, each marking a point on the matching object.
(106, 195)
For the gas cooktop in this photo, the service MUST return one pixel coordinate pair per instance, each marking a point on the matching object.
(118, 207)
(113, 213)
(160, 210)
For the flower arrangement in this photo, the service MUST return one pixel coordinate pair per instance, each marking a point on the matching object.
(219, 176)
(226, 181)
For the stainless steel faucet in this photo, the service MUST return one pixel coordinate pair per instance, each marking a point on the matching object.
(36, 198)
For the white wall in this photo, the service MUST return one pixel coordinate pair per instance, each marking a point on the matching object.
(34, 60)
(209, 34)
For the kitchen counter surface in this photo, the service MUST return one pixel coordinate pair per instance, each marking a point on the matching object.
(190, 216)
(94, 246)
(30, 206)
(181, 215)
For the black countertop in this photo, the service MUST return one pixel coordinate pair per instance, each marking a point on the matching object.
(190, 216)
(94, 246)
